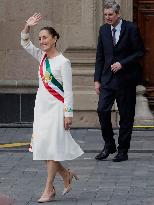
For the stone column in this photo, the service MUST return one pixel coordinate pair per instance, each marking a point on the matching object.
(127, 9)
(81, 49)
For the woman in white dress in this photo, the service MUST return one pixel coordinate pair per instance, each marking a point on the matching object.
(53, 110)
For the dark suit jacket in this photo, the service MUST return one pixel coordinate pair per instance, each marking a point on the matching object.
(128, 50)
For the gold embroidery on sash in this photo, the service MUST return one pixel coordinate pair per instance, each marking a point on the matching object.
(47, 76)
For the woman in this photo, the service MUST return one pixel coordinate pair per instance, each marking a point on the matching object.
(53, 110)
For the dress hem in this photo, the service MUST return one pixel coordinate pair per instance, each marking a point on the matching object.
(60, 160)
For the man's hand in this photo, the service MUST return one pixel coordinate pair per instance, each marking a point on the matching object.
(115, 67)
(97, 87)
(67, 122)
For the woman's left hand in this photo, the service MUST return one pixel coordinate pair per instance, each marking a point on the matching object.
(67, 122)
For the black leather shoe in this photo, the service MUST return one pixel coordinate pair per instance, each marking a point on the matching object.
(120, 157)
(105, 153)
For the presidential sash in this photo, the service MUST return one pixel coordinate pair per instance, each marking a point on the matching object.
(49, 81)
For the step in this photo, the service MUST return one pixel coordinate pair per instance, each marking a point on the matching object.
(83, 77)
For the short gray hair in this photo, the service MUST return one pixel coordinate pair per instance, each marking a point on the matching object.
(111, 4)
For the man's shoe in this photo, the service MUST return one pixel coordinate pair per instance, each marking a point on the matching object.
(105, 153)
(120, 157)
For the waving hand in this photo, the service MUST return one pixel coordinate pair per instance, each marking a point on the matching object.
(33, 20)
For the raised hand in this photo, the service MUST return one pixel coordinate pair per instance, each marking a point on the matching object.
(33, 20)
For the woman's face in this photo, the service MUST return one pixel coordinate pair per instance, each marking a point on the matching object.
(47, 42)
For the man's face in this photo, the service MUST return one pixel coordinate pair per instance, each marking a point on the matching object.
(111, 17)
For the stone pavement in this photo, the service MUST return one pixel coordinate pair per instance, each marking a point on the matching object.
(101, 183)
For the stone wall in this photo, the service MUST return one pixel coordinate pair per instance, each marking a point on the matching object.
(75, 20)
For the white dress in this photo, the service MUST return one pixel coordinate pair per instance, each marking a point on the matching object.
(50, 140)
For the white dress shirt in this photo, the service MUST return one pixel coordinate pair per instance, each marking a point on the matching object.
(118, 29)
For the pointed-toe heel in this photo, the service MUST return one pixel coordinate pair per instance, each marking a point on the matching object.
(48, 199)
(69, 187)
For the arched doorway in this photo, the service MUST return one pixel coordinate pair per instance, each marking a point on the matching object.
(143, 15)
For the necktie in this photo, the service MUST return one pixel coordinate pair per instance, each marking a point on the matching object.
(113, 36)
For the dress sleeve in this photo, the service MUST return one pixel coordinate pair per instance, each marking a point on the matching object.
(29, 47)
(66, 73)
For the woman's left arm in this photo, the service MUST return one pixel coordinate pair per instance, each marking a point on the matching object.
(66, 72)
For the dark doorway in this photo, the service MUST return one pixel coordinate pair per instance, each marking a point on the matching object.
(143, 14)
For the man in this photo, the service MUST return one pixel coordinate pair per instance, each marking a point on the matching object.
(117, 72)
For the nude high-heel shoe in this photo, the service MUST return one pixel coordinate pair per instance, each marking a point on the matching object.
(69, 187)
(48, 199)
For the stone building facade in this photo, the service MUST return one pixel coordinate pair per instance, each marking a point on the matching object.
(78, 22)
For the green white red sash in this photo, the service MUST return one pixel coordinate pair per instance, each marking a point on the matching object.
(49, 81)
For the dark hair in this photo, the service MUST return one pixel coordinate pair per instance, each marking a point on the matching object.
(51, 31)
(112, 5)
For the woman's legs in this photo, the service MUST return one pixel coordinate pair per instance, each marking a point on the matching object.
(52, 168)
(67, 176)
(64, 173)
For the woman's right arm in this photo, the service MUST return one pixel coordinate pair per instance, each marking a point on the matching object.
(25, 37)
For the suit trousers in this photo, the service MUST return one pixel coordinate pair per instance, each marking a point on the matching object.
(126, 100)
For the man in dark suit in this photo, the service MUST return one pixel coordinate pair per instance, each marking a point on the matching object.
(117, 72)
